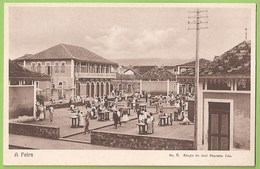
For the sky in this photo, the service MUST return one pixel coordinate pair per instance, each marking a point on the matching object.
(116, 33)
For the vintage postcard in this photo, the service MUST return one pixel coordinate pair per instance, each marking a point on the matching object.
(129, 84)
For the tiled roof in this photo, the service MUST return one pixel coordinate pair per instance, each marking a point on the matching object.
(158, 73)
(235, 61)
(142, 69)
(169, 67)
(65, 51)
(17, 71)
(149, 73)
(127, 77)
(23, 57)
(189, 64)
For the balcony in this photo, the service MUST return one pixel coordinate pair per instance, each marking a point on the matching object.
(95, 75)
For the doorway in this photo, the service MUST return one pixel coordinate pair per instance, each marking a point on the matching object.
(219, 126)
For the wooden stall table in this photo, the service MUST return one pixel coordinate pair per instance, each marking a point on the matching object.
(74, 121)
(165, 120)
(103, 115)
(142, 106)
(142, 128)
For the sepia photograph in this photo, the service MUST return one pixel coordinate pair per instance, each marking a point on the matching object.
(126, 83)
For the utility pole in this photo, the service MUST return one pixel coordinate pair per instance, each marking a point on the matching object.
(197, 20)
(245, 34)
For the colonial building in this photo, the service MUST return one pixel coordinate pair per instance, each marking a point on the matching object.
(225, 100)
(74, 70)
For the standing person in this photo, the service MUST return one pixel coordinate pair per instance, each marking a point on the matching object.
(51, 111)
(125, 117)
(115, 118)
(152, 120)
(116, 100)
(133, 103)
(87, 117)
(149, 124)
(125, 96)
(41, 109)
(81, 119)
(70, 102)
(185, 119)
(119, 114)
(44, 112)
(157, 106)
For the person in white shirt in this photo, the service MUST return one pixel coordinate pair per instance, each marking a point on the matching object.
(51, 111)
(119, 113)
(134, 101)
(145, 114)
(72, 107)
(141, 118)
(81, 119)
(125, 96)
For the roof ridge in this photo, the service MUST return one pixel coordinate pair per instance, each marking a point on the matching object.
(67, 51)
(93, 54)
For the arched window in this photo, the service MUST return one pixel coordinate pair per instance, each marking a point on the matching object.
(60, 85)
(120, 87)
(56, 67)
(39, 67)
(97, 89)
(62, 68)
(107, 88)
(129, 88)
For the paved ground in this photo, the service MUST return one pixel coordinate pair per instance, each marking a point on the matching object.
(174, 131)
(180, 131)
(41, 143)
(62, 120)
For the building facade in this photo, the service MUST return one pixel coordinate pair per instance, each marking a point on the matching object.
(74, 71)
(19, 75)
(224, 101)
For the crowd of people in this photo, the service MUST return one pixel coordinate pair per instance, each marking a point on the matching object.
(102, 104)
(93, 107)
(178, 101)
